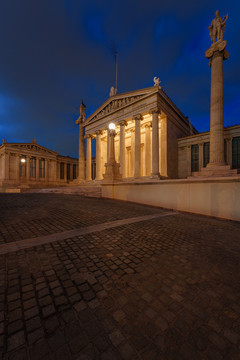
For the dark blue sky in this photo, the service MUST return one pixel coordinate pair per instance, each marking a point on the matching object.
(56, 52)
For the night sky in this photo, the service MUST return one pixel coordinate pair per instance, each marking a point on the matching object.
(56, 52)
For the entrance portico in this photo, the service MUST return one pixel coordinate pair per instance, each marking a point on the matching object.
(148, 125)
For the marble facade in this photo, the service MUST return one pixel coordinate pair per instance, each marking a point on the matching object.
(148, 125)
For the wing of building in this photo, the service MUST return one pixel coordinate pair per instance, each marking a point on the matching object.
(32, 165)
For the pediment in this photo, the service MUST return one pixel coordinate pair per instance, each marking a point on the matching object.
(32, 147)
(118, 102)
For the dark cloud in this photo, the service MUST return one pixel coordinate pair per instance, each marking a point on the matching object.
(55, 53)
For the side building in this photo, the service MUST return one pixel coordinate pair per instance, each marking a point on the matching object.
(32, 165)
(194, 152)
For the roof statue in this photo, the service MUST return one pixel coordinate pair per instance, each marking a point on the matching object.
(82, 112)
(113, 91)
(217, 27)
(156, 81)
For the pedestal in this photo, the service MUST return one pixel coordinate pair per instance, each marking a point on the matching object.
(112, 172)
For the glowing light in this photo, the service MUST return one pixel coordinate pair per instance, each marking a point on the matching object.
(112, 126)
(23, 160)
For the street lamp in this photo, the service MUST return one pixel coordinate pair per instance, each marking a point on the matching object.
(23, 160)
(111, 126)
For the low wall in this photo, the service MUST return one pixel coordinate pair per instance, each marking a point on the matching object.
(219, 197)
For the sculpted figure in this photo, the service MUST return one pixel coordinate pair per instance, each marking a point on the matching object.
(113, 91)
(217, 27)
(82, 112)
(156, 81)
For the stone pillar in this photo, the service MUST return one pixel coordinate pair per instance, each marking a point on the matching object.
(200, 147)
(37, 169)
(47, 170)
(216, 54)
(112, 167)
(122, 148)
(17, 167)
(89, 158)
(98, 155)
(132, 152)
(137, 147)
(148, 149)
(6, 166)
(81, 154)
(229, 151)
(108, 145)
(189, 160)
(27, 168)
(155, 144)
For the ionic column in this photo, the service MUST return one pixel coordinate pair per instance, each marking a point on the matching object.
(122, 148)
(81, 154)
(98, 155)
(132, 152)
(17, 167)
(6, 166)
(89, 158)
(155, 144)
(200, 156)
(37, 168)
(47, 170)
(217, 53)
(108, 145)
(229, 151)
(148, 149)
(27, 168)
(137, 159)
(189, 160)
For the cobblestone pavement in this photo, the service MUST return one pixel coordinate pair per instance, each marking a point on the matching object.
(163, 288)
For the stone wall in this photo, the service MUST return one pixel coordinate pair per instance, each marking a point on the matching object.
(218, 197)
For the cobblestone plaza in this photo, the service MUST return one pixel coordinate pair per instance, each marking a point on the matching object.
(84, 278)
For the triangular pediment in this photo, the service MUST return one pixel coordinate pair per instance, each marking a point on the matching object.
(120, 101)
(30, 147)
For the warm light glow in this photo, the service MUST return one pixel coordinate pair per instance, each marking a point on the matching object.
(112, 126)
(23, 160)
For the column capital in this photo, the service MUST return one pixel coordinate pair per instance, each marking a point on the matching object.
(123, 123)
(88, 136)
(99, 132)
(148, 125)
(154, 111)
(137, 117)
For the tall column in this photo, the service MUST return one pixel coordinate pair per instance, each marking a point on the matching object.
(6, 166)
(37, 169)
(155, 144)
(137, 147)
(216, 54)
(27, 168)
(17, 167)
(81, 154)
(200, 147)
(108, 145)
(47, 170)
(89, 158)
(132, 162)
(189, 160)
(98, 155)
(122, 148)
(147, 150)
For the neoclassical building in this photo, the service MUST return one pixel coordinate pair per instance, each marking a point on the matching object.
(148, 126)
(32, 165)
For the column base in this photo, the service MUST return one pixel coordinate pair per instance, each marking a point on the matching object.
(156, 176)
(212, 170)
(112, 172)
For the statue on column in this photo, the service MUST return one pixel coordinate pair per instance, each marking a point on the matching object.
(82, 112)
(113, 91)
(217, 27)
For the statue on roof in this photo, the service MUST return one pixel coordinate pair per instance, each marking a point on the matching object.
(217, 27)
(156, 81)
(82, 112)
(113, 91)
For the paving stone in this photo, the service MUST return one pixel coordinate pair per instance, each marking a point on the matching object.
(16, 340)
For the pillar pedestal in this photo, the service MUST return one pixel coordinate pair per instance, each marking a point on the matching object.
(112, 172)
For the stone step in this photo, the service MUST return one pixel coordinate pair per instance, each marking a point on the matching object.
(88, 191)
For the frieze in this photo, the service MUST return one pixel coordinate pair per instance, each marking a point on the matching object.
(31, 147)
